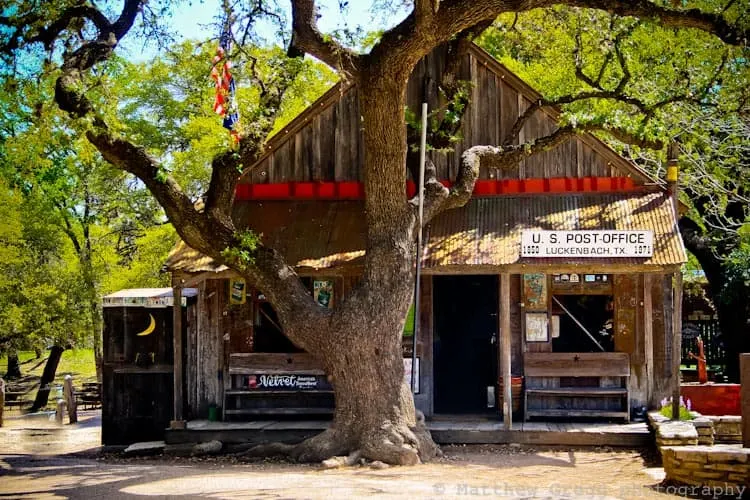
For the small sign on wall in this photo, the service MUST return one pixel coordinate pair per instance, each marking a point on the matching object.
(535, 292)
(237, 291)
(407, 374)
(537, 327)
(555, 326)
(323, 293)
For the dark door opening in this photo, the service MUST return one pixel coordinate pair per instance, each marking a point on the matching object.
(465, 343)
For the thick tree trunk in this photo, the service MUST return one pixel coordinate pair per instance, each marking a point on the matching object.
(375, 415)
(14, 366)
(48, 376)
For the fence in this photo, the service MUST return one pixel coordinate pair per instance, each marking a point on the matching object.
(709, 332)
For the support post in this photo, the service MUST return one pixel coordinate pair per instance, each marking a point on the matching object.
(70, 399)
(676, 342)
(59, 411)
(648, 336)
(505, 350)
(745, 398)
(2, 400)
(178, 422)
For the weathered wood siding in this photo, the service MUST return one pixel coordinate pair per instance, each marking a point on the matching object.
(663, 311)
(205, 350)
(324, 143)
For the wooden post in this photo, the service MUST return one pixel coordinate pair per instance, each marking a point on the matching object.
(745, 398)
(648, 336)
(505, 334)
(178, 422)
(59, 411)
(676, 342)
(70, 399)
(673, 187)
(2, 400)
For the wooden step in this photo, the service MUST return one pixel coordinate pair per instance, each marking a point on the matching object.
(576, 413)
(280, 411)
(578, 391)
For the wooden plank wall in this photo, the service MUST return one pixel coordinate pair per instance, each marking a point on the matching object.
(328, 146)
(663, 310)
(629, 333)
(205, 351)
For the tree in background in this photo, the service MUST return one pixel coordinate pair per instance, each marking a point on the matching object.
(618, 73)
(108, 228)
(359, 341)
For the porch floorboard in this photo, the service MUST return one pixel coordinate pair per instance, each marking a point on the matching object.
(445, 430)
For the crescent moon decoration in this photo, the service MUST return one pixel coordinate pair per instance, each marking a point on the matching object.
(151, 327)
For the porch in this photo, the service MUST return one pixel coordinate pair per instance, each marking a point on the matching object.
(445, 430)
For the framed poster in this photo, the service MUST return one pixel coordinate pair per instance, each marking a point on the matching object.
(535, 291)
(537, 327)
(323, 293)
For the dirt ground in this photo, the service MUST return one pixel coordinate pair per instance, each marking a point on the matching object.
(40, 460)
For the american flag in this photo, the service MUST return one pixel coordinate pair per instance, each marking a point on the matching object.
(225, 103)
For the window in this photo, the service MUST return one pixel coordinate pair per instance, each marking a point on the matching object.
(584, 323)
(268, 336)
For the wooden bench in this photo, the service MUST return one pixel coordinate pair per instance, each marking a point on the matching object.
(267, 384)
(89, 395)
(576, 385)
(18, 399)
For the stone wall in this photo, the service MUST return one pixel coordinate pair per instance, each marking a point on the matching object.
(718, 465)
(727, 428)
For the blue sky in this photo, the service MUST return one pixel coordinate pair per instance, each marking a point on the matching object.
(194, 18)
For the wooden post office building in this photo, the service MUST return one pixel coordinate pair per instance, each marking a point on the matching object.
(558, 277)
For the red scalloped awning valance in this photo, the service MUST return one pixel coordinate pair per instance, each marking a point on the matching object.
(348, 190)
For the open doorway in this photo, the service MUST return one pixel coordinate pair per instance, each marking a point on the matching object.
(465, 343)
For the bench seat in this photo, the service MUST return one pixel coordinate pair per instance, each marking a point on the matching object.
(556, 381)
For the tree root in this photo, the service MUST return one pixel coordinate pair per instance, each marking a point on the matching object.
(318, 448)
(393, 444)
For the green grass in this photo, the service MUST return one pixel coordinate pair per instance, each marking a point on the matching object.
(76, 362)
(684, 413)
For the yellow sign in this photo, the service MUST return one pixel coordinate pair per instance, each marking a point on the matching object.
(151, 327)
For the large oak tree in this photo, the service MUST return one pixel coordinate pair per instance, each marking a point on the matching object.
(359, 341)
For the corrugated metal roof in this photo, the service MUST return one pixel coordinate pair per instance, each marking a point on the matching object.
(486, 232)
(309, 234)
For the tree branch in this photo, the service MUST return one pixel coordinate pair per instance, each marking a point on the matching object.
(307, 38)
(439, 198)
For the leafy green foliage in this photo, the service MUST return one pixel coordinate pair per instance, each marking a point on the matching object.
(243, 252)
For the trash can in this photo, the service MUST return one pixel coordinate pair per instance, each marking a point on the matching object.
(213, 413)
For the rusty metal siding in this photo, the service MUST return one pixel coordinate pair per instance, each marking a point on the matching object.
(486, 232)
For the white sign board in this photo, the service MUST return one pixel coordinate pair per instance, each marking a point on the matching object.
(578, 244)
(407, 374)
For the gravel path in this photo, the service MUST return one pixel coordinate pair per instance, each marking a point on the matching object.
(36, 462)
